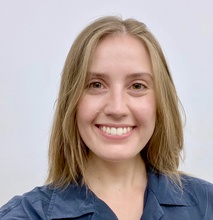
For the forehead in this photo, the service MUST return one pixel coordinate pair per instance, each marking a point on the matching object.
(120, 53)
(120, 41)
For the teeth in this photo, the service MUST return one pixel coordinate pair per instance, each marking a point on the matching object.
(115, 131)
(119, 131)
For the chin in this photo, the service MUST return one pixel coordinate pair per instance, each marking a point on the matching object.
(118, 158)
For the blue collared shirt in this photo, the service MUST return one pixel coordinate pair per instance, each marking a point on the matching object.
(163, 201)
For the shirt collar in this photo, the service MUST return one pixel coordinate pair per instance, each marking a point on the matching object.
(169, 193)
(162, 191)
(75, 201)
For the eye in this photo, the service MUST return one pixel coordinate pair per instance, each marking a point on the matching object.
(95, 85)
(137, 86)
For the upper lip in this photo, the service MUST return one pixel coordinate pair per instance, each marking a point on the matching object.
(115, 125)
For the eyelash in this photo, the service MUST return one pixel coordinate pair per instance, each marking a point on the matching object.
(142, 86)
(99, 85)
(92, 85)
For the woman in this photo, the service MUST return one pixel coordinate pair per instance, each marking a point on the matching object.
(117, 136)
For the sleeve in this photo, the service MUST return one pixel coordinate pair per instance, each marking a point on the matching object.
(13, 210)
(204, 193)
(32, 205)
(209, 207)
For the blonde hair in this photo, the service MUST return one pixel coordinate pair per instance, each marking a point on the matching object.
(67, 153)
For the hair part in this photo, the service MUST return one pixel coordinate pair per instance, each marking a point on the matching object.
(68, 154)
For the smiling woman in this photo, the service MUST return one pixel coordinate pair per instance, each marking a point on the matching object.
(117, 135)
(120, 101)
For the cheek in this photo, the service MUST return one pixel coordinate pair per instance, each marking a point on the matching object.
(82, 112)
(145, 111)
(87, 110)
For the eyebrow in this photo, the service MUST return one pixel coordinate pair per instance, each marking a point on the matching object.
(140, 74)
(129, 75)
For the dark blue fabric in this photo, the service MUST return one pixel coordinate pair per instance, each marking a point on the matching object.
(163, 200)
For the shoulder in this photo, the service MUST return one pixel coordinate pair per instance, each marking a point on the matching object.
(201, 189)
(192, 189)
(47, 202)
(194, 199)
(35, 202)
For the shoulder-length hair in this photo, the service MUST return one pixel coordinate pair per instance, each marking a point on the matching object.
(67, 152)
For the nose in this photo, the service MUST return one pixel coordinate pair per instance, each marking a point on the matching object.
(116, 104)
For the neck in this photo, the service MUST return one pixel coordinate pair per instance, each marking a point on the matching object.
(119, 176)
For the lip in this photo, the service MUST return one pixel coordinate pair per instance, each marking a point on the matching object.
(115, 125)
(118, 137)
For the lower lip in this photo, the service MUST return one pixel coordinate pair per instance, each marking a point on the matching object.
(116, 137)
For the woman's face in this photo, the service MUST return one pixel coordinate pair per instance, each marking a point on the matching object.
(117, 113)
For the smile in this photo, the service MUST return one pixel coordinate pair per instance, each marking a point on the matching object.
(115, 131)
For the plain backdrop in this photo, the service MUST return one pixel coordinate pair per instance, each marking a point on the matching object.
(35, 37)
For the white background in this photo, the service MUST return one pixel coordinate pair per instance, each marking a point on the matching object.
(35, 37)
